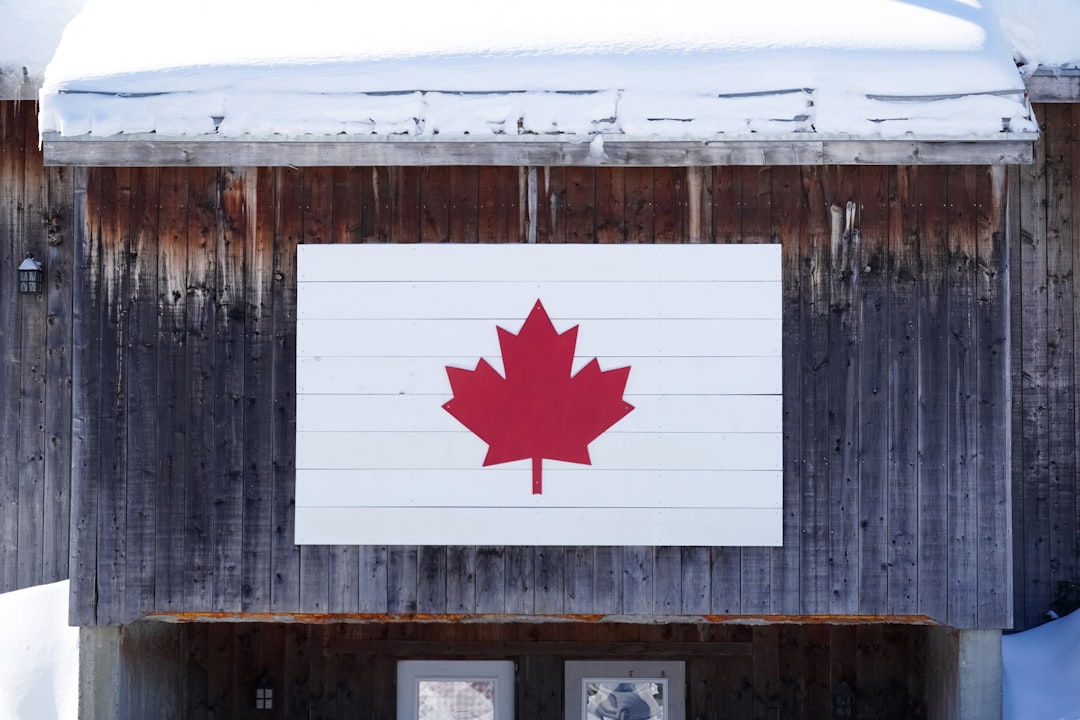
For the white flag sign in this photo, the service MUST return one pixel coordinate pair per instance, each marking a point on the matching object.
(539, 395)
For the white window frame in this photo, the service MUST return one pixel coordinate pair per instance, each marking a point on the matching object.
(578, 672)
(410, 673)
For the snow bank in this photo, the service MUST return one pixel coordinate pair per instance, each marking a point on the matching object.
(760, 70)
(39, 668)
(1042, 671)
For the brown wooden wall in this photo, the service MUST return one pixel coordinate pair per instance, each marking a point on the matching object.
(36, 215)
(1044, 203)
(199, 671)
(896, 392)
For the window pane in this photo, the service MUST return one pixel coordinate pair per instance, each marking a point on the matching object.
(456, 700)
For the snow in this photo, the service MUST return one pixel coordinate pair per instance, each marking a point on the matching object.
(770, 69)
(29, 33)
(1041, 670)
(40, 673)
(1042, 32)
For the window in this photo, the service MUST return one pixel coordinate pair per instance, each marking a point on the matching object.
(460, 689)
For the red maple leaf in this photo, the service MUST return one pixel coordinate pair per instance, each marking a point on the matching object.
(539, 410)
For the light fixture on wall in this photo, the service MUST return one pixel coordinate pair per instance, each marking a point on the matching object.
(264, 692)
(31, 275)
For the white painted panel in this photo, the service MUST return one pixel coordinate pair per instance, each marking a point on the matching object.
(651, 413)
(540, 526)
(499, 486)
(478, 338)
(648, 375)
(570, 302)
(533, 263)
(698, 461)
(463, 450)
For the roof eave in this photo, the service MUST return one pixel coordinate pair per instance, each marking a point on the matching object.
(1054, 84)
(518, 151)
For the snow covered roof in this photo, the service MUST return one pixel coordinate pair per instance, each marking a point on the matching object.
(567, 72)
(29, 33)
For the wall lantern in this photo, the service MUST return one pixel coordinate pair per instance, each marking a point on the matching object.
(264, 693)
(31, 275)
(843, 701)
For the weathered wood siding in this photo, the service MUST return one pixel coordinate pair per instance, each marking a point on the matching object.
(36, 215)
(1044, 203)
(207, 670)
(896, 384)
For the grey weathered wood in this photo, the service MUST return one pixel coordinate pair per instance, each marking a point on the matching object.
(1053, 85)
(30, 447)
(526, 151)
(228, 386)
(288, 231)
(143, 447)
(11, 183)
(992, 320)
(1060, 341)
(873, 345)
(749, 205)
(1031, 502)
(814, 361)
(963, 350)
(258, 475)
(111, 413)
(901, 477)
(58, 367)
(934, 401)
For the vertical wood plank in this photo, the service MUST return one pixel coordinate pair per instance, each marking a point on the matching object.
(994, 597)
(814, 361)
(172, 364)
(490, 580)
(30, 436)
(611, 205)
(639, 205)
(431, 579)
(461, 575)
(111, 413)
(934, 396)
(579, 573)
(405, 204)
(62, 219)
(873, 352)
(143, 448)
(258, 530)
(580, 204)
(670, 205)
(844, 412)
(637, 580)
(11, 181)
(903, 395)
(1060, 139)
(962, 506)
(766, 693)
(667, 583)
(696, 595)
(374, 579)
(464, 210)
(288, 224)
(402, 580)
(202, 357)
(789, 222)
(608, 581)
(318, 223)
(434, 204)
(520, 580)
(549, 596)
(229, 391)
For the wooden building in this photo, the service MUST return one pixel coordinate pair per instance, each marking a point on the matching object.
(148, 415)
